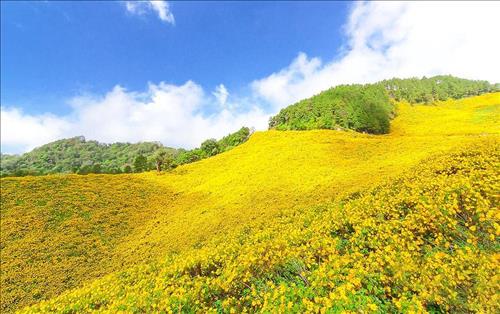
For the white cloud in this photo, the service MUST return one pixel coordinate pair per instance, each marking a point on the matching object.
(393, 39)
(22, 132)
(221, 95)
(385, 39)
(168, 113)
(160, 7)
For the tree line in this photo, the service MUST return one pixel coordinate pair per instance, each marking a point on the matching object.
(369, 107)
(81, 156)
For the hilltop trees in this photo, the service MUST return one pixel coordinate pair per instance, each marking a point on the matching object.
(441, 87)
(212, 147)
(234, 139)
(363, 108)
(368, 108)
(76, 155)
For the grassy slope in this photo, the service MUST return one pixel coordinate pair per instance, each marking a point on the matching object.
(84, 227)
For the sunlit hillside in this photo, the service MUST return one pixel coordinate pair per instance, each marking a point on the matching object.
(281, 222)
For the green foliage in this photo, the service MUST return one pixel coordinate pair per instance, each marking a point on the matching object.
(441, 87)
(234, 139)
(140, 163)
(188, 156)
(364, 108)
(368, 108)
(77, 155)
(212, 147)
(163, 157)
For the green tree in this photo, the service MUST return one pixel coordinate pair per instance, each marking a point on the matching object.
(210, 147)
(96, 168)
(234, 139)
(162, 157)
(140, 163)
(85, 169)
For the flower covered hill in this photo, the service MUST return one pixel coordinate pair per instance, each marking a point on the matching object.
(426, 241)
(290, 220)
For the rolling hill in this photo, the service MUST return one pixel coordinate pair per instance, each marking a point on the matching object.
(369, 107)
(78, 155)
(288, 221)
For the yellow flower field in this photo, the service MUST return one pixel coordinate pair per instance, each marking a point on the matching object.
(290, 221)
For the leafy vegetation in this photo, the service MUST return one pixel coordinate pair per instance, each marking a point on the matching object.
(212, 147)
(317, 219)
(368, 108)
(441, 87)
(163, 158)
(363, 108)
(77, 155)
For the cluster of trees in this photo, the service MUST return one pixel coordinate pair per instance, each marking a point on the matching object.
(441, 87)
(363, 108)
(208, 148)
(368, 108)
(77, 155)
(212, 147)
(166, 159)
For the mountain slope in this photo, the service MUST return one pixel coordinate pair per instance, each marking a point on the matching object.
(82, 228)
(427, 241)
(369, 107)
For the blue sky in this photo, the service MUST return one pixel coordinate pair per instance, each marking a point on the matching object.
(181, 72)
(54, 50)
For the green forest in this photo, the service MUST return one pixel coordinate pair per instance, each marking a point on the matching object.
(369, 108)
(81, 156)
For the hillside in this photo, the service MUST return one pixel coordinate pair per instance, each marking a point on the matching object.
(289, 211)
(370, 107)
(424, 242)
(365, 108)
(78, 155)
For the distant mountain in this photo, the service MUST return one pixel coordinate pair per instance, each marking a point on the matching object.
(78, 155)
(75, 155)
